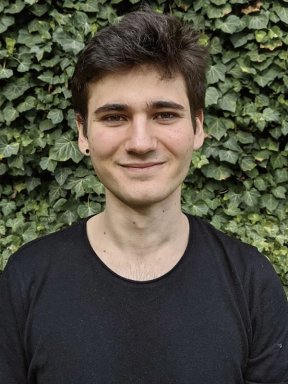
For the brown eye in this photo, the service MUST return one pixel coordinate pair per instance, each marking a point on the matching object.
(113, 118)
(166, 116)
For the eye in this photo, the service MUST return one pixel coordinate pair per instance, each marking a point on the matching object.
(113, 119)
(166, 116)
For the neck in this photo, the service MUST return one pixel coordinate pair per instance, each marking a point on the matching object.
(137, 241)
(149, 225)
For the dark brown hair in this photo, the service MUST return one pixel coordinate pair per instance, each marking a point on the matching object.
(140, 38)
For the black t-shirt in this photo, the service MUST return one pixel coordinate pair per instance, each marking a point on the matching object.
(219, 316)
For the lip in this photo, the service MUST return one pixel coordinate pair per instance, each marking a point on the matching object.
(141, 166)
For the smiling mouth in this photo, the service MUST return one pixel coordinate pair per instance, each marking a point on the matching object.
(136, 166)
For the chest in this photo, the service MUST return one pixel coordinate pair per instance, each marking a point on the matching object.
(97, 333)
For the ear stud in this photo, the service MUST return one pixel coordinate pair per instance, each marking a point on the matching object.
(87, 151)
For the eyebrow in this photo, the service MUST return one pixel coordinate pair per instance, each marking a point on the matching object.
(158, 104)
(161, 104)
(111, 107)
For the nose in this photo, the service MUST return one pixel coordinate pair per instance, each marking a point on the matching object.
(141, 138)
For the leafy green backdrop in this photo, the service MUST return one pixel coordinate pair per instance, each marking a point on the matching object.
(238, 180)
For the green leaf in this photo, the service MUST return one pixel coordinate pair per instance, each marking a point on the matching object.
(3, 4)
(278, 161)
(88, 209)
(8, 207)
(3, 168)
(32, 183)
(216, 127)
(212, 96)
(232, 211)
(93, 185)
(240, 39)
(89, 6)
(16, 88)
(231, 25)
(30, 233)
(247, 163)
(281, 175)
(233, 198)
(24, 63)
(282, 13)
(16, 7)
(219, 2)
(5, 73)
(69, 217)
(7, 149)
(269, 202)
(77, 186)
(229, 156)
(198, 160)
(10, 113)
(244, 137)
(6, 22)
(216, 172)
(39, 9)
(81, 22)
(215, 73)
(45, 125)
(48, 164)
(217, 12)
(56, 116)
(55, 192)
(61, 175)
(251, 197)
(68, 43)
(279, 192)
(258, 21)
(65, 148)
(232, 143)
(27, 105)
(47, 77)
(199, 209)
(31, 40)
(215, 46)
(229, 102)
(17, 162)
(58, 206)
(270, 114)
(261, 155)
(10, 45)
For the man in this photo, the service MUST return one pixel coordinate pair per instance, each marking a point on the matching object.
(141, 293)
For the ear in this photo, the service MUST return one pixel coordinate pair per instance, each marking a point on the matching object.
(199, 135)
(82, 137)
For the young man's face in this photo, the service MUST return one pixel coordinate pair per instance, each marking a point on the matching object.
(140, 135)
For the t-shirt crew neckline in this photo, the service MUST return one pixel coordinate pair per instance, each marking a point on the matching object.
(118, 277)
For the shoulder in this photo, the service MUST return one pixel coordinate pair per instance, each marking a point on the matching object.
(48, 249)
(245, 271)
(243, 259)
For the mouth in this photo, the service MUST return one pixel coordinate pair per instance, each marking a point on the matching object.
(142, 166)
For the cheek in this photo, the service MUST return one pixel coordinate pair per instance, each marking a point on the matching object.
(102, 146)
(181, 143)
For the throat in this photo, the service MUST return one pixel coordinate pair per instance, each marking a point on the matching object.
(139, 256)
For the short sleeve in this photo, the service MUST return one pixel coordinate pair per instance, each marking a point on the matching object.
(12, 357)
(268, 357)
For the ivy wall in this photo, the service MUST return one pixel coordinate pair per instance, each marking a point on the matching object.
(239, 179)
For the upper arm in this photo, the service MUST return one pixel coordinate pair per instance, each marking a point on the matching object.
(268, 357)
(12, 356)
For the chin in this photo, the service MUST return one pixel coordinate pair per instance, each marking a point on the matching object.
(142, 200)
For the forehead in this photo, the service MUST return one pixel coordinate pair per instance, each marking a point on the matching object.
(139, 84)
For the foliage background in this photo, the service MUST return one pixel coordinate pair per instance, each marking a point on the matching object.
(239, 179)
